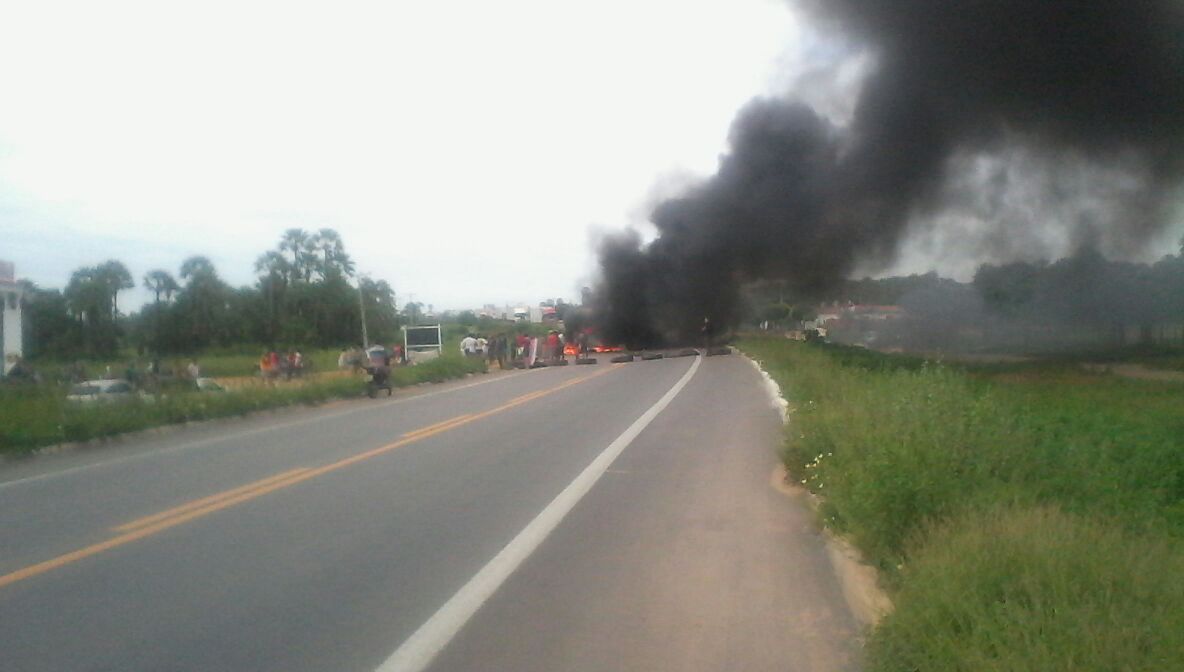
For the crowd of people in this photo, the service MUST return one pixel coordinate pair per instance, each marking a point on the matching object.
(506, 349)
(273, 365)
(522, 349)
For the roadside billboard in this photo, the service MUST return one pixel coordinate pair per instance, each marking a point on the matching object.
(422, 343)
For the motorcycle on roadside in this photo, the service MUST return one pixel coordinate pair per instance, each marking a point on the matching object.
(379, 379)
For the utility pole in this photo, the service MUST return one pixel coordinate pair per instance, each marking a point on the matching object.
(362, 306)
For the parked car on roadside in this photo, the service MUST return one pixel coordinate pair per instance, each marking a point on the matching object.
(208, 385)
(92, 391)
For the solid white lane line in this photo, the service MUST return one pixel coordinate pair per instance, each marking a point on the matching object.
(415, 654)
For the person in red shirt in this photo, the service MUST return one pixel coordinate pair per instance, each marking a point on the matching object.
(523, 345)
(553, 351)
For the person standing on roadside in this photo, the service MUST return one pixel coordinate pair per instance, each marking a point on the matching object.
(503, 346)
(468, 346)
(582, 345)
(522, 343)
(553, 352)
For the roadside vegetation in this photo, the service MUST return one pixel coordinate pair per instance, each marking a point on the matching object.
(306, 297)
(1024, 516)
(39, 415)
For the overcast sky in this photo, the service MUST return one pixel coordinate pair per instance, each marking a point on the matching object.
(467, 152)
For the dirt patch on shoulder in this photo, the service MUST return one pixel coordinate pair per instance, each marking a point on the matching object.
(858, 580)
(1138, 372)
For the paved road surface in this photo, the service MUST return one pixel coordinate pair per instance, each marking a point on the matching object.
(429, 532)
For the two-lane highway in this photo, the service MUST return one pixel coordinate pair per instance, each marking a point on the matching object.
(431, 530)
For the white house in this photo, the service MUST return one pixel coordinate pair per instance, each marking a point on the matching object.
(10, 319)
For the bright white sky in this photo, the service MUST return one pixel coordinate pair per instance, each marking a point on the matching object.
(467, 152)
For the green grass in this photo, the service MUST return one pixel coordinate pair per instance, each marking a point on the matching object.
(222, 363)
(1035, 590)
(922, 465)
(36, 416)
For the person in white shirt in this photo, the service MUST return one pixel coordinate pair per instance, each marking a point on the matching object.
(468, 346)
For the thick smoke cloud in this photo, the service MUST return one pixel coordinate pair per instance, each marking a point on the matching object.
(1060, 83)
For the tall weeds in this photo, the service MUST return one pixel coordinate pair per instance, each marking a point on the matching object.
(922, 465)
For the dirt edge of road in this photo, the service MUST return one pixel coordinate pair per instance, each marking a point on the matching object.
(1136, 371)
(858, 580)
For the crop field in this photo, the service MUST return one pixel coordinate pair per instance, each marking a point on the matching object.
(1024, 516)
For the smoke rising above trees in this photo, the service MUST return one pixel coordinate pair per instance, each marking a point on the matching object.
(1073, 108)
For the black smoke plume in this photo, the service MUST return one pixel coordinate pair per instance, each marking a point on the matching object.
(801, 199)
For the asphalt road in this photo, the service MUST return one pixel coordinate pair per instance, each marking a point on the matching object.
(609, 517)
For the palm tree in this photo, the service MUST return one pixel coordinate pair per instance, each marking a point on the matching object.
(114, 276)
(333, 259)
(161, 283)
(298, 243)
(196, 269)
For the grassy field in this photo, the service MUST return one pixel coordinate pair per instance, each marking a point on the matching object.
(36, 416)
(1024, 516)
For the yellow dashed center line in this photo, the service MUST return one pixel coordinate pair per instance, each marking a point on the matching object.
(439, 425)
(199, 503)
(158, 522)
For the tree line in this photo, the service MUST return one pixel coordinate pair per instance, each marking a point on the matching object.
(302, 297)
(1082, 295)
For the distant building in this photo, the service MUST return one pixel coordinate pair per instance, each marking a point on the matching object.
(873, 312)
(11, 294)
(856, 323)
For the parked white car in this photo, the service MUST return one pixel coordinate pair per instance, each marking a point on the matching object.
(209, 385)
